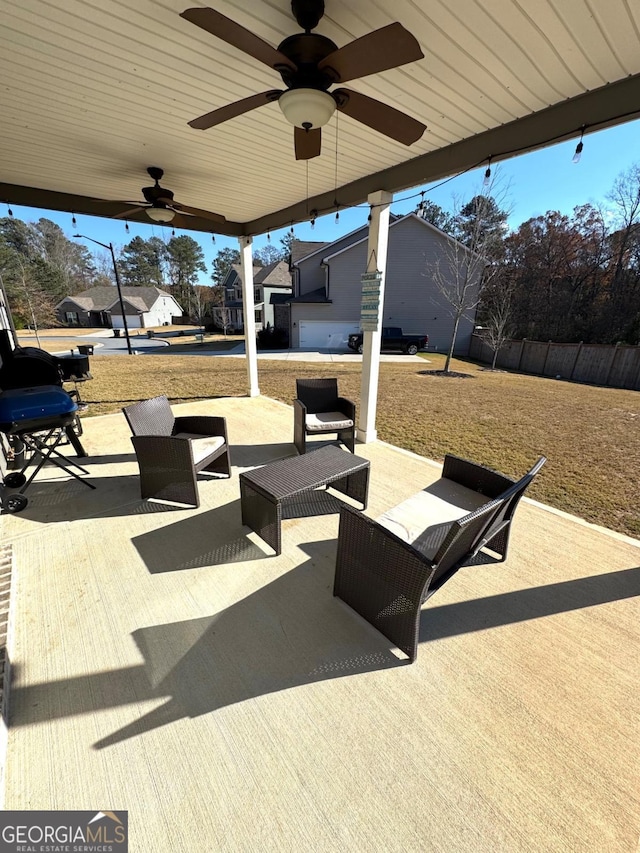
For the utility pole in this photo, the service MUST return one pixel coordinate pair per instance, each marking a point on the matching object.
(115, 270)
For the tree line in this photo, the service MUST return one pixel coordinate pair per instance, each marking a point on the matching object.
(40, 266)
(559, 277)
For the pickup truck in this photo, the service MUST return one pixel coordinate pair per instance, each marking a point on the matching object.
(392, 339)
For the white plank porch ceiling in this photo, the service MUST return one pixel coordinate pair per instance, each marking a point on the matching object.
(94, 91)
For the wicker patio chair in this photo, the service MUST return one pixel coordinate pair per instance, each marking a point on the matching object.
(318, 409)
(171, 451)
(387, 568)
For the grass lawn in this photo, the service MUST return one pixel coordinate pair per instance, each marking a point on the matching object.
(590, 434)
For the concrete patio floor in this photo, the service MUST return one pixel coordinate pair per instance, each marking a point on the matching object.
(164, 662)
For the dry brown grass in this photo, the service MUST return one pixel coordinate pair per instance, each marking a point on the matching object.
(590, 434)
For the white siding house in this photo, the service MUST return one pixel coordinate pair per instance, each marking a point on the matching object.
(144, 307)
(326, 306)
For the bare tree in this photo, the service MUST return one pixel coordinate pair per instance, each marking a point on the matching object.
(222, 316)
(496, 312)
(468, 263)
(37, 304)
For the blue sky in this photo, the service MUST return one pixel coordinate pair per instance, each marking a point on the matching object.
(537, 182)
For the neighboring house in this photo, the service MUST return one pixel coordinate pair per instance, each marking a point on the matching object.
(100, 306)
(272, 288)
(327, 301)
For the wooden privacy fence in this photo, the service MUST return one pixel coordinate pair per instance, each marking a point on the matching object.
(600, 364)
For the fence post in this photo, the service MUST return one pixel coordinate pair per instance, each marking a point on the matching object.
(636, 384)
(575, 361)
(522, 346)
(612, 362)
(546, 358)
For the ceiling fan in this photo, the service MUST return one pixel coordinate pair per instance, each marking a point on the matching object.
(309, 65)
(160, 206)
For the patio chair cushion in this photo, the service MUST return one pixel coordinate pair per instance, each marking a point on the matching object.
(202, 446)
(327, 421)
(424, 519)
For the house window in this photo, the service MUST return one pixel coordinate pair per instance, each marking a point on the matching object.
(256, 294)
(258, 316)
(71, 318)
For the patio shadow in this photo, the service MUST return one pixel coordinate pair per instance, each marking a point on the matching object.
(252, 455)
(69, 500)
(287, 634)
(211, 538)
(511, 607)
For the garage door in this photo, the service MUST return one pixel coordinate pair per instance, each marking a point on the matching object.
(318, 334)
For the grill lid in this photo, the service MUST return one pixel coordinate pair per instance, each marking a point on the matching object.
(29, 367)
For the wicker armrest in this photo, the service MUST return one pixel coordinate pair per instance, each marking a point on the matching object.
(347, 407)
(483, 480)
(381, 577)
(166, 468)
(201, 425)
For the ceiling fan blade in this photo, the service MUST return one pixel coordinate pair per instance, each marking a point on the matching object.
(234, 34)
(307, 142)
(236, 109)
(381, 117)
(179, 221)
(380, 50)
(127, 213)
(196, 211)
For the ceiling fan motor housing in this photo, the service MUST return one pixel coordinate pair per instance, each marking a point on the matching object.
(157, 194)
(306, 50)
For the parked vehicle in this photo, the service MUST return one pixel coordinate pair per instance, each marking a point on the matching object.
(393, 339)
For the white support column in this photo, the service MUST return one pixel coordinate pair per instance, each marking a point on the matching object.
(377, 259)
(248, 302)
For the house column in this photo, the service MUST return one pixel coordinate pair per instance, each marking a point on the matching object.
(380, 202)
(248, 302)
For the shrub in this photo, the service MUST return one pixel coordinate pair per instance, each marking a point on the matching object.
(271, 338)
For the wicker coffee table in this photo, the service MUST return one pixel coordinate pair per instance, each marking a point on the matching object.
(264, 491)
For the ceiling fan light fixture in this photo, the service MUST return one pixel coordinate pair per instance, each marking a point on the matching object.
(160, 214)
(307, 108)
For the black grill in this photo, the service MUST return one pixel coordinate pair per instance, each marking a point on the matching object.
(36, 413)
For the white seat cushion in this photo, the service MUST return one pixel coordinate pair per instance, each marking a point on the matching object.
(329, 421)
(203, 446)
(424, 519)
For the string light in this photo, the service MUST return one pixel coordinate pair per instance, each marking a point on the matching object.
(579, 147)
(420, 210)
(73, 220)
(126, 226)
(213, 238)
(9, 211)
(268, 236)
(314, 213)
(487, 175)
(337, 219)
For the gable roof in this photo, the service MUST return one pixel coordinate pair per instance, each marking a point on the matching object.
(103, 298)
(301, 248)
(275, 275)
(237, 269)
(314, 248)
(398, 220)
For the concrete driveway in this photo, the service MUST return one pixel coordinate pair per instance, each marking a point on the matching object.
(105, 343)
